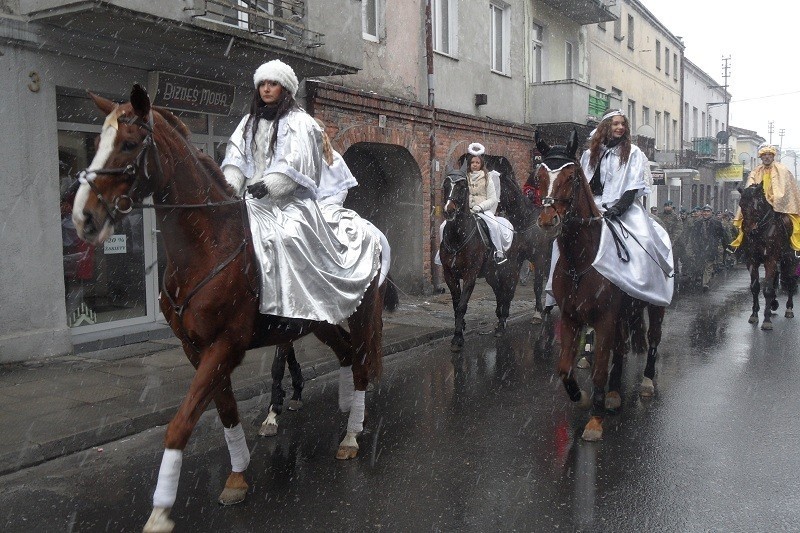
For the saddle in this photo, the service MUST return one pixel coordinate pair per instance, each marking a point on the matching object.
(483, 232)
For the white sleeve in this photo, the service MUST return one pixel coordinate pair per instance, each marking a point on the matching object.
(490, 204)
(235, 178)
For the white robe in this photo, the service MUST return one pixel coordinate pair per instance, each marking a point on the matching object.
(648, 275)
(309, 270)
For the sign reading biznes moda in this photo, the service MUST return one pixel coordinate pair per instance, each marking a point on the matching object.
(183, 93)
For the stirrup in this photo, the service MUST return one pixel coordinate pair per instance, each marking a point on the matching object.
(500, 258)
(797, 254)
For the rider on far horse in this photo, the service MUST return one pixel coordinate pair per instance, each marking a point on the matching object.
(483, 199)
(781, 191)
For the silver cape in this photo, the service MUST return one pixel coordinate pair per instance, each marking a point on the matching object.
(309, 269)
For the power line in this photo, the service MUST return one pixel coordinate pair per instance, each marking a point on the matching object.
(763, 97)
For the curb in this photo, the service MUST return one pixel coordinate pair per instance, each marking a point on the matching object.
(84, 440)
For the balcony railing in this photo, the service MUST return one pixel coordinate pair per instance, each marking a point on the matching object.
(569, 101)
(705, 147)
(585, 11)
(281, 19)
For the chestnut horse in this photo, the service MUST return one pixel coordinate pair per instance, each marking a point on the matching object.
(584, 296)
(209, 291)
(466, 254)
(766, 242)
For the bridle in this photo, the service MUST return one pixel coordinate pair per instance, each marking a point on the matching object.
(450, 181)
(124, 203)
(570, 216)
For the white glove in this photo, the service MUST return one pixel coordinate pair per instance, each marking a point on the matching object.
(477, 209)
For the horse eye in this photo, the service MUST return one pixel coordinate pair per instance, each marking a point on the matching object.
(128, 146)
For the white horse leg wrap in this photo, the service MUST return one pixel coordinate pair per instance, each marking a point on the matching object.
(168, 476)
(237, 446)
(346, 388)
(355, 423)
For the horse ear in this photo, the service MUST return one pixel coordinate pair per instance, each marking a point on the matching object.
(104, 104)
(572, 143)
(465, 165)
(542, 146)
(140, 101)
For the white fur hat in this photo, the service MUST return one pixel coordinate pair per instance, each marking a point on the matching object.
(277, 70)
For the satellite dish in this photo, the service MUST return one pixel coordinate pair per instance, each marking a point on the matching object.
(723, 136)
(646, 130)
(745, 158)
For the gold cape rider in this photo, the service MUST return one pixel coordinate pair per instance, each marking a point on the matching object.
(780, 189)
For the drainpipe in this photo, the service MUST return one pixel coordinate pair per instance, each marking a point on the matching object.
(434, 231)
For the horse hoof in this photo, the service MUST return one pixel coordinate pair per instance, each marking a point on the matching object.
(647, 389)
(766, 326)
(346, 452)
(582, 363)
(295, 405)
(613, 401)
(159, 522)
(585, 401)
(235, 490)
(753, 319)
(789, 314)
(594, 430)
(267, 429)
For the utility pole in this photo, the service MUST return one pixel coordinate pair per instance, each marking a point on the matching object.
(770, 129)
(726, 72)
(781, 133)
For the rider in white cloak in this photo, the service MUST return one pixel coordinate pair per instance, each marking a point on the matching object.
(335, 180)
(641, 264)
(484, 196)
(308, 270)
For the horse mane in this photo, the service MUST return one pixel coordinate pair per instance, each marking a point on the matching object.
(207, 163)
(176, 123)
(513, 200)
(587, 190)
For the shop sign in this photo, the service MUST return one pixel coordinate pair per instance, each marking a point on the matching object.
(183, 93)
(659, 177)
(116, 244)
(730, 173)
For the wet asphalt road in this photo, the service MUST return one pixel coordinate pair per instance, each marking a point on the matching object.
(489, 443)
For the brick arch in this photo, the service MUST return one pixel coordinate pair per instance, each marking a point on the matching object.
(364, 133)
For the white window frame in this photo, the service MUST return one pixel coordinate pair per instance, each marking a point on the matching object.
(632, 115)
(569, 60)
(440, 26)
(537, 48)
(503, 11)
(374, 15)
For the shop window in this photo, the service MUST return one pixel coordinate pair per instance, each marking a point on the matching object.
(104, 283)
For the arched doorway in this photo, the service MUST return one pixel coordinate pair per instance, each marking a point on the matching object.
(389, 194)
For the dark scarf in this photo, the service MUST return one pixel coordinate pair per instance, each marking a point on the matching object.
(268, 112)
(595, 183)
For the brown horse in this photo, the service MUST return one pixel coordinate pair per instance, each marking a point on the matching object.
(766, 242)
(536, 243)
(584, 296)
(210, 287)
(467, 254)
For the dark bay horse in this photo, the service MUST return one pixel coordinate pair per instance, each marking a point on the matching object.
(210, 286)
(536, 242)
(466, 254)
(585, 297)
(766, 242)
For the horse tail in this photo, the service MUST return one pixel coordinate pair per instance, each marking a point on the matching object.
(391, 296)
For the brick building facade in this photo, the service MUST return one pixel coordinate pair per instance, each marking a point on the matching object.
(406, 202)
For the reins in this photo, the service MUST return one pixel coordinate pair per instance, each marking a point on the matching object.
(124, 204)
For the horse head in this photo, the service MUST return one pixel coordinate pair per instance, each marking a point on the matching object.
(558, 179)
(754, 206)
(455, 191)
(120, 174)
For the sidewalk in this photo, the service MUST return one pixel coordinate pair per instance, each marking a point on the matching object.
(72, 403)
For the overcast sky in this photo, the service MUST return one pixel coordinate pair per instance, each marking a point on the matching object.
(762, 39)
